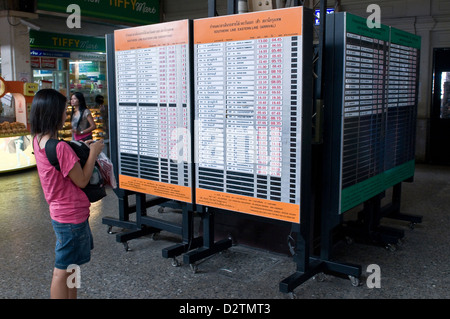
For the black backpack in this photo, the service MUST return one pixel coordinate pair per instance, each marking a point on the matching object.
(95, 189)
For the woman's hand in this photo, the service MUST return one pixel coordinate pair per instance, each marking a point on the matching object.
(81, 175)
(96, 146)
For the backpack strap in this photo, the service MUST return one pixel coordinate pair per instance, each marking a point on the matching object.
(50, 151)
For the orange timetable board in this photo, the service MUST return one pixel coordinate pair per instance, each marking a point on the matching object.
(255, 206)
(154, 35)
(181, 193)
(267, 24)
(154, 109)
(248, 83)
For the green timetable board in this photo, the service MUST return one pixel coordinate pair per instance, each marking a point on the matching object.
(376, 76)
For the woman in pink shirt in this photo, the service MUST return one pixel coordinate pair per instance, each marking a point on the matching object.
(68, 204)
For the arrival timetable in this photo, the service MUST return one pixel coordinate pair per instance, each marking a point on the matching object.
(248, 108)
(153, 109)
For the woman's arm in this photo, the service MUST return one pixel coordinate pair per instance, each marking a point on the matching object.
(80, 176)
(92, 124)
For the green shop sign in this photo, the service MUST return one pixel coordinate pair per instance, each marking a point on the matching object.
(67, 42)
(131, 11)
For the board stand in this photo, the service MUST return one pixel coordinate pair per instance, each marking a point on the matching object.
(145, 225)
(367, 227)
(208, 246)
(392, 210)
(309, 265)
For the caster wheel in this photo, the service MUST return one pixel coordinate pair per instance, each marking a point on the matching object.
(194, 268)
(125, 245)
(320, 277)
(354, 281)
(110, 230)
(411, 225)
(155, 236)
(390, 247)
(292, 295)
(161, 210)
(175, 262)
(348, 240)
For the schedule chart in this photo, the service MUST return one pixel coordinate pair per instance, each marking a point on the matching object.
(153, 109)
(403, 67)
(248, 112)
(379, 105)
(363, 105)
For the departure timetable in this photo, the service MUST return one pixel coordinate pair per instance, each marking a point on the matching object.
(248, 83)
(403, 66)
(379, 105)
(365, 73)
(153, 109)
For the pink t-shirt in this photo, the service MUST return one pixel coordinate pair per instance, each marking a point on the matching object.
(67, 202)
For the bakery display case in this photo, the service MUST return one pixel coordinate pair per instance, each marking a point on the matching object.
(101, 131)
(16, 151)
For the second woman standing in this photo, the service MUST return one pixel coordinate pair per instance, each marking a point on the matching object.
(81, 119)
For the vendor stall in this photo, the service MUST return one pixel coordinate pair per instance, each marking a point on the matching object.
(16, 151)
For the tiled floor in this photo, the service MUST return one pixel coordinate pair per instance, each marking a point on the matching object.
(420, 268)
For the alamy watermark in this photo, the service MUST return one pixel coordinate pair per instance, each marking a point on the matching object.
(374, 279)
(373, 20)
(74, 279)
(74, 19)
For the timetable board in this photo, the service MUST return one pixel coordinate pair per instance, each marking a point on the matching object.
(154, 110)
(248, 84)
(379, 104)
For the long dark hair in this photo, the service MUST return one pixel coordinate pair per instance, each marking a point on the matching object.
(81, 101)
(47, 110)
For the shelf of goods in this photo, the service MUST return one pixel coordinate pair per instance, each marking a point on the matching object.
(16, 151)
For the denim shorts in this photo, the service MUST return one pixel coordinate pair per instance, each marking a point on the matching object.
(73, 244)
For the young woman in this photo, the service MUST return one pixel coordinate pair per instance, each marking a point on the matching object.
(68, 204)
(81, 128)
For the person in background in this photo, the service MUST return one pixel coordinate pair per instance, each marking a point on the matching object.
(100, 103)
(68, 204)
(81, 118)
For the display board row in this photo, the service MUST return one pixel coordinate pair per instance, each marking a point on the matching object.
(245, 115)
(212, 111)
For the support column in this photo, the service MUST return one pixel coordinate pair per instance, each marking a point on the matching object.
(15, 47)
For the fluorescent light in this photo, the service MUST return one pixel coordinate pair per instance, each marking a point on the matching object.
(80, 62)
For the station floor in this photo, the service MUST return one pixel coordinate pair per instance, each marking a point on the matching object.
(417, 269)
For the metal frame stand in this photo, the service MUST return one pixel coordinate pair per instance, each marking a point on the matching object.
(134, 228)
(367, 229)
(209, 246)
(146, 225)
(392, 210)
(309, 265)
